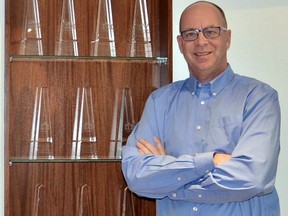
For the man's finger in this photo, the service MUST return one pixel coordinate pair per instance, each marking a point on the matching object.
(143, 148)
(159, 145)
(147, 147)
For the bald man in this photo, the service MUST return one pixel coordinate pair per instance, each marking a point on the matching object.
(207, 145)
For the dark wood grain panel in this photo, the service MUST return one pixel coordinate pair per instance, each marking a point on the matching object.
(86, 12)
(62, 78)
(65, 188)
(57, 186)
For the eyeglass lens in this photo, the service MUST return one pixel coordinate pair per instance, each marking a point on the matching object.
(209, 33)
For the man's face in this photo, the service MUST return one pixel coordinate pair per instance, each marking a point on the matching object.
(206, 58)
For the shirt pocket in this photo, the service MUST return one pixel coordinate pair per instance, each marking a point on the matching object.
(224, 133)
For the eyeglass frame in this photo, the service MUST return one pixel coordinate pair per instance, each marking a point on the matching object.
(203, 31)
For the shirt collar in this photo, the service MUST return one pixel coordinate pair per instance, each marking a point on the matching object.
(216, 85)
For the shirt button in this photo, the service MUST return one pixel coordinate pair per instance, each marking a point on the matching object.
(193, 93)
(200, 195)
(202, 102)
(207, 171)
(198, 127)
(214, 94)
(174, 195)
(195, 209)
(179, 178)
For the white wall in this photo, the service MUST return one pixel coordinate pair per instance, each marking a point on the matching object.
(2, 31)
(259, 49)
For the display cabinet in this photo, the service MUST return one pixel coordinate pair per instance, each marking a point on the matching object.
(71, 101)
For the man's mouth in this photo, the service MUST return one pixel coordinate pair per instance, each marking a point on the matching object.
(202, 53)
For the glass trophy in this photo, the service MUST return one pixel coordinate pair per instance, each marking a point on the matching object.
(127, 203)
(31, 41)
(84, 129)
(67, 43)
(123, 122)
(103, 43)
(140, 39)
(41, 145)
(38, 195)
(84, 201)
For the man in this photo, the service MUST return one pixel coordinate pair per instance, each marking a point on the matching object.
(207, 145)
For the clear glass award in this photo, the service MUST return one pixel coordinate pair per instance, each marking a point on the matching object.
(123, 122)
(31, 41)
(41, 145)
(38, 195)
(84, 129)
(67, 43)
(84, 201)
(103, 43)
(129, 120)
(127, 203)
(140, 39)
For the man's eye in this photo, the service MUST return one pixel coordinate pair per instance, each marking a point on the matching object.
(210, 32)
(191, 34)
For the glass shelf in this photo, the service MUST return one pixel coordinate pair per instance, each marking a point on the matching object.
(62, 160)
(159, 60)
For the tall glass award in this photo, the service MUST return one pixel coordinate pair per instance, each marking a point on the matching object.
(38, 195)
(103, 43)
(123, 122)
(67, 43)
(84, 129)
(127, 207)
(84, 201)
(41, 145)
(31, 41)
(140, 39)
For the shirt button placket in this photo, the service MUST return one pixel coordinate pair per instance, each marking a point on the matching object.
(198, 127)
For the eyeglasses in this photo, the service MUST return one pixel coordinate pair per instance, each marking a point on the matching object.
(209, 33)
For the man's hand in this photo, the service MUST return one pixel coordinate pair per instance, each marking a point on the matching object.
(220, 158)
(146, 147)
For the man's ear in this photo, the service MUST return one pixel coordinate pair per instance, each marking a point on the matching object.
(180, 43)
(228, 38)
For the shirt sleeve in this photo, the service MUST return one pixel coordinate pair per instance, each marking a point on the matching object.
(252, 168)
(158, 176)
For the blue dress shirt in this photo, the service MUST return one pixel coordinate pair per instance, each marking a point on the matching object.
(232, 114)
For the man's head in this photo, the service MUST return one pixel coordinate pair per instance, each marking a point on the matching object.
(204, 40)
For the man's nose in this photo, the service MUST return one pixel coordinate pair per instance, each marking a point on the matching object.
(201, 39)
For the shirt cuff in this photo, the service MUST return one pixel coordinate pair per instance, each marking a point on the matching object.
(204, 163)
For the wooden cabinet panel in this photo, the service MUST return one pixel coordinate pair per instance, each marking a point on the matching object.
(86, 18)
(59, 189)
(65, 186)
(62, 78)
